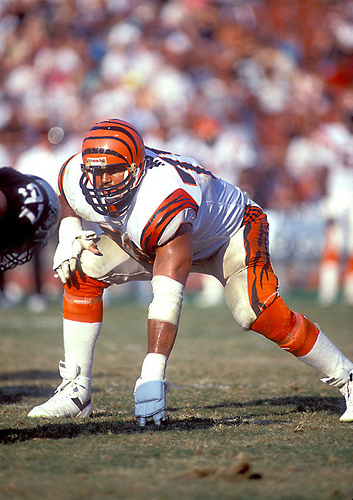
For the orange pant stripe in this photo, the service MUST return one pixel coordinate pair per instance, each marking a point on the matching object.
(84, 301)
(262, 280)
(292, 331)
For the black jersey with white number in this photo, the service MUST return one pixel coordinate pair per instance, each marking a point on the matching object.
(33, 210)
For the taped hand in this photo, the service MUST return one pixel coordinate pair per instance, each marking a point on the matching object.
(68, 252)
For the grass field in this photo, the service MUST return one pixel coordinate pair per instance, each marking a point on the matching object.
(247, 421)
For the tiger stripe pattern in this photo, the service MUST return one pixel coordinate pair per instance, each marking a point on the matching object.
(262, 280)
(176, 202)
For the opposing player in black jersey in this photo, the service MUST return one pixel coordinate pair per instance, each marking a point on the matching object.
(29, 210)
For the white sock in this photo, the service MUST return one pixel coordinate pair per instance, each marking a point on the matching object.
(79, 343)
(327, 358)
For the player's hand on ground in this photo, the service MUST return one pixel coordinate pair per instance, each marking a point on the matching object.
(150, 401)
(68, 252)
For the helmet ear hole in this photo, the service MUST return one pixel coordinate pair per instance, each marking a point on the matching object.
(111, 143)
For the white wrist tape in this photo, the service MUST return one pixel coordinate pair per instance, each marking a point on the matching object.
(153, 367)
(167, 300)
(69, 226)
(72, 241)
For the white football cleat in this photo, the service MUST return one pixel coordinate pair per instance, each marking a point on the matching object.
(72, 399)
(347, 391)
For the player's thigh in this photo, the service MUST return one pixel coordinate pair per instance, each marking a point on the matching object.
(251, 283)
(228, 265)
(113, 265)
(235, 276)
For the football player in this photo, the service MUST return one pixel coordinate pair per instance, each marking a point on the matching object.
(159, 217)
(29, 210)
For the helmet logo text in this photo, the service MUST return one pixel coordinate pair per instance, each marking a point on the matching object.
(96, 162)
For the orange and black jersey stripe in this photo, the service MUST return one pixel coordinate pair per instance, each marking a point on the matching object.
(176, 202)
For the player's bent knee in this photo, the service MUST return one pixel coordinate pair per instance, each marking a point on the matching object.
(290, 330)
(113, 264)
(84, 302)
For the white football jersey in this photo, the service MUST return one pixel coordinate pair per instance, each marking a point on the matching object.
(174, 190)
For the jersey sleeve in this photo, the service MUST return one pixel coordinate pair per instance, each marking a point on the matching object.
(178, 208)
(70, 190)
(61, 179)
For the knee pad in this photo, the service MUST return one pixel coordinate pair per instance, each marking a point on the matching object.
(290, 330)
(84, 302)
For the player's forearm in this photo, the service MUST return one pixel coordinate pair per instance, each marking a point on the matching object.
(163, 315)
(161, 337)
(163, 319)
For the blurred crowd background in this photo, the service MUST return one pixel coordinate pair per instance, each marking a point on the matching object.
(259, 91)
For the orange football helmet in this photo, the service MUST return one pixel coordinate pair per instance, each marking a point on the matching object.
(112, 143)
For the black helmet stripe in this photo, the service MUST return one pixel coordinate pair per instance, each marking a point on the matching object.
(101, 137)
(101, 151)
(118, 129)
(116, 123)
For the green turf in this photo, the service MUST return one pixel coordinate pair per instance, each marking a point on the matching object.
(246, 420)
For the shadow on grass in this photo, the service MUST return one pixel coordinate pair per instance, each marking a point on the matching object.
(300, 404)
(15, 393)
(104, 423)
(94, 427)
(30, 374)
(38, 375)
